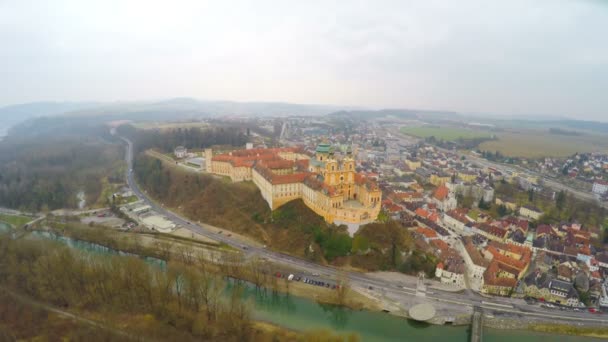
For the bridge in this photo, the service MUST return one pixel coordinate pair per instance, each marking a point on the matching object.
(477, 326)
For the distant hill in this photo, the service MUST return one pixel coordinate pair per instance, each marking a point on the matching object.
(14, 114)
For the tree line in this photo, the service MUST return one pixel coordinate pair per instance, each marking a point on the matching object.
(167, 140)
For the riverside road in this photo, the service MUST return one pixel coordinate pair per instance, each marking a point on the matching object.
(398, 292)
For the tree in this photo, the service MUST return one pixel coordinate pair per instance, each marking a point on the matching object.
(560, 200)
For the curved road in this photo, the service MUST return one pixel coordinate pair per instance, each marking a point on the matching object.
(395, 291)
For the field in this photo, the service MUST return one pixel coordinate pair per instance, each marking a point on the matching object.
(15, 221)
(445, 133)
(168, 125)
(536, 144)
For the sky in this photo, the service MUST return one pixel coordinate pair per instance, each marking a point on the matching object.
(528, 57)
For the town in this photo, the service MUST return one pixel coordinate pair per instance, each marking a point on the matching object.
(488, 227)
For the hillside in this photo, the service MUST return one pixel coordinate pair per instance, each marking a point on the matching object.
(292, 228)
(235, 206)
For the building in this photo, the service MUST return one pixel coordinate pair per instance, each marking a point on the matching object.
(510, 204)
(180, 152)
(530, 212)
(475, 263)
(440, 179)
(444, 198)
(413, 164)
(600, 188)
(542, 286)
(328, 185)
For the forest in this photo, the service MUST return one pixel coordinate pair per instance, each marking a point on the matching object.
(45, 171)
(191, 138)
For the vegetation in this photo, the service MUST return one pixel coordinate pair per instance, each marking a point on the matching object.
(380, 246)
(192, 138)
(570, 330)
(15, 220)
(21, 320)
(46, 171)
(185, 301)
(564, 208)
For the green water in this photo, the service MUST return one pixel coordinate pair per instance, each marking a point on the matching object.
(304, 314)
(4, 227)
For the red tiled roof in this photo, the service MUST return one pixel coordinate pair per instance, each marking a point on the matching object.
(427, 232)
(422, 213)
(441, 193)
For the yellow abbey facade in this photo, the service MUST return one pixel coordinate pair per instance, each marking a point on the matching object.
(328, 185)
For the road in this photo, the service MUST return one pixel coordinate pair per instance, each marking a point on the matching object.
(393, 291)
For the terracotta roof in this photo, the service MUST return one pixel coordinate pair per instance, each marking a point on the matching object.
(427, 232)
(441, 193)
(422, 213)
(490, 276)
(475, 255)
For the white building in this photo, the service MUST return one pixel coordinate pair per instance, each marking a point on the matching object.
(180, 152)
(600, 187)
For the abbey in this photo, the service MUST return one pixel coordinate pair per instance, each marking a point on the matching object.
(328, 185)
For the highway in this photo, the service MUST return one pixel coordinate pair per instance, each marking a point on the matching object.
(396, 291)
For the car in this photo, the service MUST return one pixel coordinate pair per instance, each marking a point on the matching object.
(228, 235)
(220, 232)
(278, 275)
(315, 274)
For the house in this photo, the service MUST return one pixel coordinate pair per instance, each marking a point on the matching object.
(440, 179)
(498, 280)
(600, 187)
(510, 204)
(180, 152)
(542, 286)
(457, 220)
(444, 198)
(427, 234)
(475, 263)
(451, 271)
(413, 163)
(530, 212)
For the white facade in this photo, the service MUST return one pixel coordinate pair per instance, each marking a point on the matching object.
(600, 188)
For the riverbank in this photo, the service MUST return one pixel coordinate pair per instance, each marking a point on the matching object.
(168, 247)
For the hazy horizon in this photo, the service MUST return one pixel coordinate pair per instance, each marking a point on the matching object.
(516, 58)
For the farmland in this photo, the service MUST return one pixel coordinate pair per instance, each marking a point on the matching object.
(445, 133)
(537, 143)
(169, 125)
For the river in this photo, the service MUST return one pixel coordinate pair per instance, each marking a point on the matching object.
(304, 314)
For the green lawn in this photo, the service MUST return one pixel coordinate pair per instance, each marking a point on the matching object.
(444, 133)
(14, 220)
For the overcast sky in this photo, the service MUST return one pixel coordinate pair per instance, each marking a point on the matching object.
(503, 57)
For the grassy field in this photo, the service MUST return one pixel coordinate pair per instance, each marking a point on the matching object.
(444, 133)
(168, 125)
(15, 221)
(536, 144)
